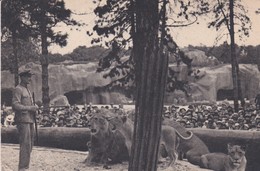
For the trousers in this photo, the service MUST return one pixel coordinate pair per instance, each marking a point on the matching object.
(26, 141)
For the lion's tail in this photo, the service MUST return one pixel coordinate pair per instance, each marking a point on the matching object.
(185, 138)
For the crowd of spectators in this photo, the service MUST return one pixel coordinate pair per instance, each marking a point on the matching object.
(215, 116)
(211, 116)
(66, 116)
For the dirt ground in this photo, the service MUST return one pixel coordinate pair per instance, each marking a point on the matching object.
(50, 159)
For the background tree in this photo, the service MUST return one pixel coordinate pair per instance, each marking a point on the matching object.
(83, 53)
(24, 55)
(13, 14)
(246, 54)
(44, 16)
(116, 24)
(234, 63)
(228, 14)
(36, 19)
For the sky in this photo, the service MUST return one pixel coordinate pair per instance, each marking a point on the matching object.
(196, 34)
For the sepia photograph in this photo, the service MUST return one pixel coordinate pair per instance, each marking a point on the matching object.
(130, 85)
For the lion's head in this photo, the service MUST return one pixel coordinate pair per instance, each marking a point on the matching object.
(98, 123)
(117, 122)
(236, 154)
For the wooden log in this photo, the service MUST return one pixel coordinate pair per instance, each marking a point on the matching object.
(76, 139)
(56, 137)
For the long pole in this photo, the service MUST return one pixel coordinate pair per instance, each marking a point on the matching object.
(35, 120)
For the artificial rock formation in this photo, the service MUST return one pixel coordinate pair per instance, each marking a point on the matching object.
(82, 79)
(80, 82)
(200, 59)
(212, 80)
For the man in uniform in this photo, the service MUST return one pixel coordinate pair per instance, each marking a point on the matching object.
(22, 103)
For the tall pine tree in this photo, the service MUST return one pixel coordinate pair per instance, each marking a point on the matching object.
(13, 14)
(44, 16)
(228, 14)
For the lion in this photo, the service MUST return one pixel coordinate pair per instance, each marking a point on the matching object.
(169, 141)
(192, 148)
(104, 144)
(235, 160)
(126, 127)
(99, 129)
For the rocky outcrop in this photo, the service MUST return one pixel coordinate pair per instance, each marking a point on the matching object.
(219, 78)
(60, 100)
(213, 83)
(200, 59)
(81, 81)
(65, 78)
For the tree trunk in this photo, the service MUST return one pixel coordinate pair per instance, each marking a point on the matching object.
(15, 62)
(240, 92)
(44, 63)
(233, 55)
(151, 71)
(258, 59)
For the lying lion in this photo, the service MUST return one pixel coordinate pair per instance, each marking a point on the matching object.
(169, 137)
(235, 160)
(193, 148)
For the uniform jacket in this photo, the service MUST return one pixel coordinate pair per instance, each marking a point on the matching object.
(22, 98)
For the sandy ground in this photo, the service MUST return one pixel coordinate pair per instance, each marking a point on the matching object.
(50, 159)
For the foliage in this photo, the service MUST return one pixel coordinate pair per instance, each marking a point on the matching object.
(44, 13)
(116, 19)
(250, 55)
(116, 26)
(38, 17)
(174, 84)
(25, 18)
(28, 16)
(56, 58)
(13, 26)
(83, 53)
(221, 18)
(24, 55)
(245, 54)
(13, 15)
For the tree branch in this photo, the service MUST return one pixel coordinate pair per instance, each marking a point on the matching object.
(225, 17)
(183, 25)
